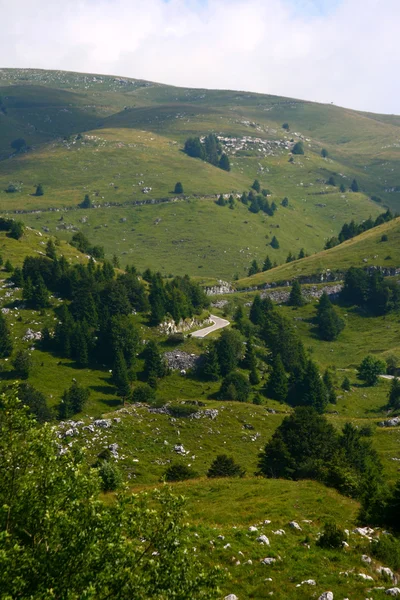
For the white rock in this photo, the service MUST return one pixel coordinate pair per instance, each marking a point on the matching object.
(387, 573)
(231, 597)
(294, 525)
(393, 591)
(366, 559)
(262, 539)
(326, 596)
(365, 531)
(279, 532)
(268, 561)
(365, 577)
(345, 545)
(252, 529)
(227, 546)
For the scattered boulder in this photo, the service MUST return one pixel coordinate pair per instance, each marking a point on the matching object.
(252, 529)
(365, 577)
(279, 532)
(295, 525)
(268, 561)
(262, 539)
(366, 559)
(394, 422)
(231, 597)
(395, 591)
(307, 582)
(386, 572)
(102, 423)
(326, 596)
(179, 449)
(181, 361)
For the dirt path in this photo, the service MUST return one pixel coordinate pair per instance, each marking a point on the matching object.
(218, 324)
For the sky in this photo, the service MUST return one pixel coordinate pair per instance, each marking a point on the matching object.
(341, 51)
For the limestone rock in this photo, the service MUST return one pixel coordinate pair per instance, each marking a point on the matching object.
(262, 539)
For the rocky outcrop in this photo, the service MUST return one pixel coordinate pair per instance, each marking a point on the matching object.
(170, 327)
(223, 287)
(181, 361)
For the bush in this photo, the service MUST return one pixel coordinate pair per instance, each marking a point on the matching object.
(175, 338)
(181, 410)
(111, 478)
(143, 393)
(179, 472)
(370, 369)
(298, 148)
(22, 364)
(225, 466)
(332, 536)
(285, 202)
(387, 551)
(235, 386)
(384, 238)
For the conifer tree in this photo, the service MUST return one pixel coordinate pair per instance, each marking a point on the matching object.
(394, 393)
(6, 343)
(267, 264)
(254, 377)
(153, 364)
(250, 360)
(40, 297)
(22, 364)
(229, 349)
(221, 200)
(256, 185)
(274, 243)
(211, 369)
(256, 310)
(330, 386)
(328, 321)
(301, 254)
(51, 250)
(120, 376)
(346, 384)
(254, 268)
(224, 163)
(296, 297)
(39, 190)
(278, 384)
(354, 186)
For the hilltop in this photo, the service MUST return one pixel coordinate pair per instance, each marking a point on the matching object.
(120, 141)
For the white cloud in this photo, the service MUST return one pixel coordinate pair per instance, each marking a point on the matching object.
(349, 55)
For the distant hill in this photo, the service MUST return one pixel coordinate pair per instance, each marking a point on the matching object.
(120, 140)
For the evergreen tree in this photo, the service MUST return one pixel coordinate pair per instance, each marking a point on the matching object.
(178, 188)
(235, 386)
(298, 148)
(81, 346)
(194, 148)
(154, 366)
(278, 384)
(40, 296)
(86, 202)
(22, 364)
(256, 310)
(324, 153)
(354, 186)
(16, 230)
(328, 321)
(224, 163)
(73, 401)
(6, 343)
(39, 190)
(221, 200)
(346, 384)
(211, 365)
(274, 243)
(330, 386)
(285, 202)
(231, 202)
(342, 188)
(308, 389)
(51, 250)
(301, 254)
(8, 266)
(120, 376)
(254, 377)
(256, 186)
(394, 394)
(267, 264)
(331, 181)
(115, 261)
(229, 349)
(254, 268)
(244, 198)
(250, 359)
(224, 466)
(296, 297)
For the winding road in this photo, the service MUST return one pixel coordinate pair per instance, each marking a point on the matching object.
(218, 324)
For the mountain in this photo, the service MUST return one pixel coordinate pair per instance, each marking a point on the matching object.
(120, 141)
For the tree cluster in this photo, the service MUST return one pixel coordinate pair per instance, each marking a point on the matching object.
(350, 230)
(208, 149)
(178, 298)
(370, 291)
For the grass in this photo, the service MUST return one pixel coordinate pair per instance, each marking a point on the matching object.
(365, 250)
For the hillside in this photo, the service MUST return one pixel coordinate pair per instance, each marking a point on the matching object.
(365, 250)
(112, 137)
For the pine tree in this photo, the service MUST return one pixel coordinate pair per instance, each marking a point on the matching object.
(278, 384)
(328, 321)
(254, 268)
(394, 393)
(40, 297)
(346, 384)
(330, 386)
(22, 364)
(229, 349)
(74, 400)
(211, 365)
(254, 378)
(178, 188)
(267, 264)
(39, 190)
(250, 360)
(224, 163)
(86, 202)
(256, 310)
(274, 243)
(296, 297)
(51, 250)
(231, 202)
(354, 186)
(221, 200)
(301, 254)
(256, 185)
(120, 376)
(153, 363)
(6, 343)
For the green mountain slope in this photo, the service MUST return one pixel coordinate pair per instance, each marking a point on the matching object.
(365, 250)
(112, 138)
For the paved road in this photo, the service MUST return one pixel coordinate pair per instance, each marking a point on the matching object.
(218, 324)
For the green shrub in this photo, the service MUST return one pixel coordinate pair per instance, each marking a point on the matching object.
(179, 472)
(175, 338)
(143, 393)
(387, 551)
(111, 478)
(332, 536)
(225, 466)
(181, 410)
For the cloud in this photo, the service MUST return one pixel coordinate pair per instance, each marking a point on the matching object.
(343, 51)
